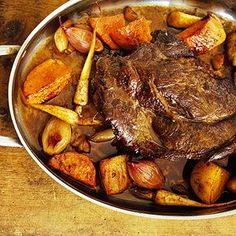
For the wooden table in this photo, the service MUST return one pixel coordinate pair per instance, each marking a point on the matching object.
(31, 203)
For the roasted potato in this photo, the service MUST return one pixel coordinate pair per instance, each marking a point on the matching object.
(208, 181)
(114, 174)
(180, 19)
(133, 34)
(56, 136)
(204, 35)
(231, 185)
(231, 47)
(218, 61)
(76, 165)
(46, 81)
(106, 25)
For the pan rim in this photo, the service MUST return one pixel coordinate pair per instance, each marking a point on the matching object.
(60, 181)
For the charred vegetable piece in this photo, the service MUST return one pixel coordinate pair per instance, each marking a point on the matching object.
(180, 19)
(231, 185)
(204, 35)
(81, 39)
(140, 193)
(76, 165)
(231, 48)
(208, 181)
(114, 174)
(167, 198)
(133, 34)
(61, 40)
(130, 14)
(46, 81)
(82, 90)
(103, 136)
(107, 25)
(56, 136)
(218, 61)
(146, 174)
(62, 113)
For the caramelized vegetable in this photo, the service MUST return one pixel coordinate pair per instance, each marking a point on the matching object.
(145, 194)
(130, 14)
(208, 181)
(76, 165)
(103, 136)
(146, 174)
(167, 198)
(135, 33)
(218, 61)
(46, 81)
(231, 185)
(180, 19)
(81, 94)
(114, 174)
(61, 40)
(107, 25)
(81, 39)
(204, 35)
(231, 48)
(56, 136)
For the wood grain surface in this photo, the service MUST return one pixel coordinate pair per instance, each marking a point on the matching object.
(31, 203)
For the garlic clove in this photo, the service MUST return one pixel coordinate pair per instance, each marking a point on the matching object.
(81, 39)
(61, 40)
(146, 174)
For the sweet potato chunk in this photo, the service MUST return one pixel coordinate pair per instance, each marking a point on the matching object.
(76, 165)
(107, 25)
(204, 35)
(135, 33)
(115, 174)
(46, 81)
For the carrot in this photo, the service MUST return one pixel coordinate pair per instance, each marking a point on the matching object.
(46, 81)
(135, 33)
(107, 25)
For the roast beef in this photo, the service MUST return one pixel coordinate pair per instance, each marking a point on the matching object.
(163, 102)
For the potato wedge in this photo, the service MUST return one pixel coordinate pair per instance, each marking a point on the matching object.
(231, 48)
(56, 136)
(133, 34)
(166, 198)
(114, 174)
(204, 35)
(106, 25)
(180, 19)
(46, 81)
(76, 165)
(208, 181)
(103, 136)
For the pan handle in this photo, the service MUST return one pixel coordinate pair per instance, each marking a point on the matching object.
(9, 49)
(9, 141)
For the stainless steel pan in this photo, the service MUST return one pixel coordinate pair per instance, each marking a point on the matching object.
(122, 203)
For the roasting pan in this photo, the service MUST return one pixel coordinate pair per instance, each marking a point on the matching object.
(226, 9)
